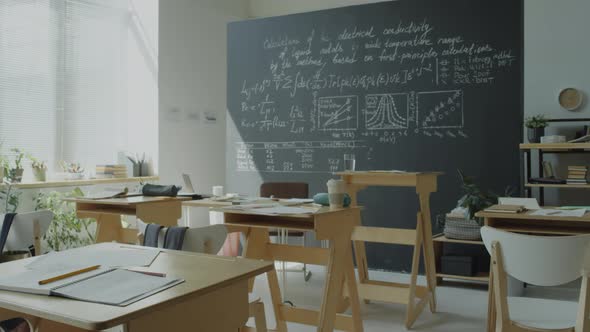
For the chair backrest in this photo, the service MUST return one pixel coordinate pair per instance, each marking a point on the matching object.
(284, 189)
(27, 229)
(539, 260)
(205, 240)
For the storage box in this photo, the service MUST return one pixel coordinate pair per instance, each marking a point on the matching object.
(459, 265)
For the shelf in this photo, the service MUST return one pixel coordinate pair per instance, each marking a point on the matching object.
(74, 183)
(555, 146)
(568, 186)
(442, 238)
(482, 276)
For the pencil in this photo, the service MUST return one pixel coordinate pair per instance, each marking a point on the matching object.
(67, 275)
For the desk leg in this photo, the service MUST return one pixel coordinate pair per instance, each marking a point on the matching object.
(255, 248)
(491, 322)
(353, 294)
(108, 228)
(360, 252)
(333, 284)
(429, 264)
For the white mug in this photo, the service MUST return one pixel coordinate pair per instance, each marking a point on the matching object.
(218, 191)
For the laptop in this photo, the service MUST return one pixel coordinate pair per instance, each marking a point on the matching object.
(189, 190)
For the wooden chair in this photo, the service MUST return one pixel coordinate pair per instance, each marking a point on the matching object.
(285, 190)
(27, 231)
(209, 240)
(540, 261)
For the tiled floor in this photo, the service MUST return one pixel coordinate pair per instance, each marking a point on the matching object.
(460, 309)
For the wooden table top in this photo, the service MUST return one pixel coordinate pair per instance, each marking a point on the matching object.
(386, 173)
(126, 201)
(527, 216)
(323, 211)
(203, 274)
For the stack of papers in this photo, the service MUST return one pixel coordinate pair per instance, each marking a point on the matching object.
(503, 208)
(273, 209)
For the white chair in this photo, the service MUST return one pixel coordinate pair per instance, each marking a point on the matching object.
(540, 261)
(210, 240)
(27, 230)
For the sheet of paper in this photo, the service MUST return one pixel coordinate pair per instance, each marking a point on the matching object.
(118, 287)
(28, 281)
(560, 213)
(528, 203)
(243, 207)
(106, 257)
(296, 201)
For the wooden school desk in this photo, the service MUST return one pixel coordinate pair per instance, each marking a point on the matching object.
(335, 225)
(420, 239)
(529, 224)
(214, 297)
(162, 210)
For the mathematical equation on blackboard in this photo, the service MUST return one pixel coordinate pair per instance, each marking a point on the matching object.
(357, 84)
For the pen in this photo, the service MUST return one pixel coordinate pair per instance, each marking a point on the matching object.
(67, 275)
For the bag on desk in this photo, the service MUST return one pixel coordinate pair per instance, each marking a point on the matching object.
(158, 190)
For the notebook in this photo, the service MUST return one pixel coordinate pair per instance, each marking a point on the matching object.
(504, 208)
(116, 287)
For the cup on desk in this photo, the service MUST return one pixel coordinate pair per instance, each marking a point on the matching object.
(336, 192)
(349, 162)
(217, 191)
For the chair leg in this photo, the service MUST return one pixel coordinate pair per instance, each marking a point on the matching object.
(582, 324)
(257, 311)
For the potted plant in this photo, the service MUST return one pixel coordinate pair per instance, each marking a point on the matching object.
(39, 169)
(462, 223)
(536, 127)
(74, 170)
(15, 173)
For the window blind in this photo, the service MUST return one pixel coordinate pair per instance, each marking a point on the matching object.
(29, 76)
(94, 118)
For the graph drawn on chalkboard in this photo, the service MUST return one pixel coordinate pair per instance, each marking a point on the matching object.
(338, 113)
(440, 109)
(387, 111)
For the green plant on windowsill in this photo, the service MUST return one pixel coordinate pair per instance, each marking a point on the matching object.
(39, 168)
(14, 172)
(66, 231)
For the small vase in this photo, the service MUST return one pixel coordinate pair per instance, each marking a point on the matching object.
(15, 175)
(40, 174)
(534, 134)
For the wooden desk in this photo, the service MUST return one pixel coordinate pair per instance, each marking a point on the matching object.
(162, 210)
(335, 225)
(213, 298)
(529, 224)
(420, 239)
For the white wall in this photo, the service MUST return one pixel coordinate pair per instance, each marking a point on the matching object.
(556, 55)
(192, 79)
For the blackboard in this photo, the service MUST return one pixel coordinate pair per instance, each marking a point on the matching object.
(420, 85)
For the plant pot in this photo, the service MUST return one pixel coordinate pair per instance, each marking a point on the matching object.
(9, 256)
(534, 134)
(15, 175)
(462, 229)
(40, 174)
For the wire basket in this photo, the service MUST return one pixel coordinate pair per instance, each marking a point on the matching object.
(460, 229)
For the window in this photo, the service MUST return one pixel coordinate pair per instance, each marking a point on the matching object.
(78, 78)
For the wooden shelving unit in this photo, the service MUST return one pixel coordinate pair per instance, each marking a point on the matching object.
(549, 148)
(439, 240)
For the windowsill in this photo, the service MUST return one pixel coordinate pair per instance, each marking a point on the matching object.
(83, 182)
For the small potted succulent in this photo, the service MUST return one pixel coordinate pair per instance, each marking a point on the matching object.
(536, 127)
(39, 169)
(73, 170)
(15, 172)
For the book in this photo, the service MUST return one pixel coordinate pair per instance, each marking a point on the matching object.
(117, 287)
(504, 208)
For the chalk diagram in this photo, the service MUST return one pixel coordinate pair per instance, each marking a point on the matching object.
(440, 109)
(338, 113)
(387, 111)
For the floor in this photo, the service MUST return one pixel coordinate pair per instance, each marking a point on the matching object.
(461, 307)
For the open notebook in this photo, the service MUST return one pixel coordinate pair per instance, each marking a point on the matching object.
(106, 286)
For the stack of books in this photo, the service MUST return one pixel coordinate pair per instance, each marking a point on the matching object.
(504, 208)
(577, 175)
(111, 171)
